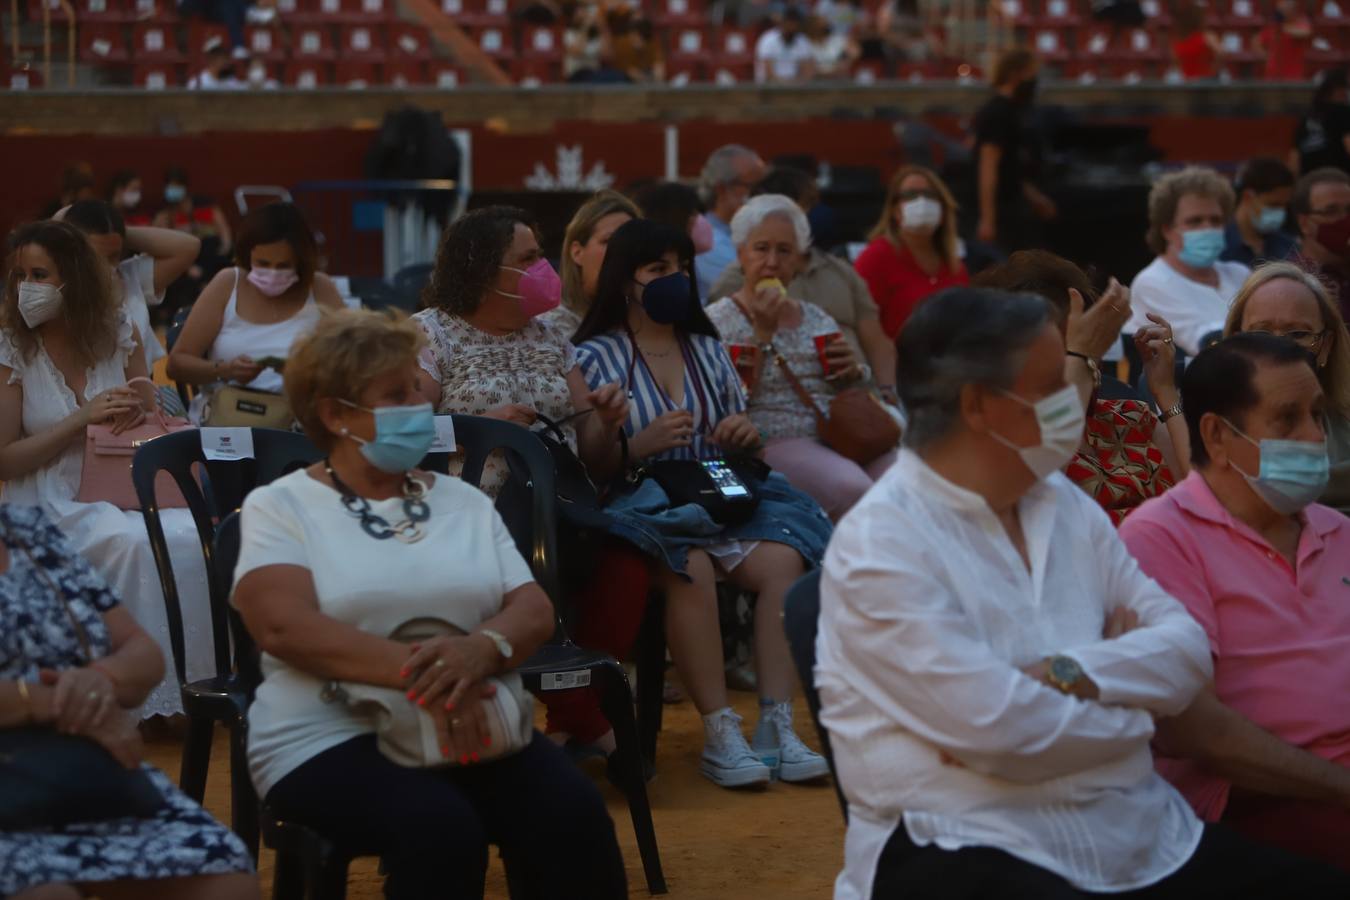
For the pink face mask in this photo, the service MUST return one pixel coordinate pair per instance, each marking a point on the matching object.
(701, 233)
(273, 282)
(540, 289)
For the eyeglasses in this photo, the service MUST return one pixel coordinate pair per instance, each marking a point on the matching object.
(1308, 340)
(1332, 212)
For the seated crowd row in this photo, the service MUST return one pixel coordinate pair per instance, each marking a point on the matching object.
(1002, 389)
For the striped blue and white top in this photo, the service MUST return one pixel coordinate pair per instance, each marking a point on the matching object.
(712, 389)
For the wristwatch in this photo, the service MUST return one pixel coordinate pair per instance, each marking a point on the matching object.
(1171, 412)
(1064, 674)
(503, 645)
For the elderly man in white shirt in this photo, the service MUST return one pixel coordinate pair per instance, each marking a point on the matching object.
(991, 659)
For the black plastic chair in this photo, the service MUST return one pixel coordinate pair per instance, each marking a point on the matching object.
(801, 615)
(409, 281)
(307, 864)
(170, 338)
(222, 697)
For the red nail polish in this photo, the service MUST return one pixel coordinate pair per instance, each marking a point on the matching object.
(402, 673)
(487, 741)
(422, 701)
(474, 756)
(449, 707)
(464, 760)
(412, 695)
(445, 751)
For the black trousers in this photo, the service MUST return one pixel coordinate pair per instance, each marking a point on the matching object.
(1226, 866)
(433, 827)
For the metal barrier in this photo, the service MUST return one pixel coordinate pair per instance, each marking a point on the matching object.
(374, 228)
(46, 39)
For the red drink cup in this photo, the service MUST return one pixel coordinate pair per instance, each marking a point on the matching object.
(823, 341)
(744, 357)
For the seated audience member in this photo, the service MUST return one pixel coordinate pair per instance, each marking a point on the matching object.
(1186, 284)
(1195, 49)
(155, 257)
(647, 331)
(202, 218)
(637, 51)
(1322, 138)
(77, 183)
(584, 244)
(1284, 300)
(67, 353)
(1126, 455)
(488, 354)
(79, 664)
(1322, 209)
(254, 311)
(313, 586)
(824, 280)
(914, 251)
(765, 324)
(678, 206)
(125, 194)
(1260, 565)
(783, 54)
(1256, 234)
(1285, 41)
(834, 53)
(728, 176)
(217, 72)
(990, 657)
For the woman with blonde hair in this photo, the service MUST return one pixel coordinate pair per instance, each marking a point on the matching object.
(584, 245)
(1282, 299)
(914, 251)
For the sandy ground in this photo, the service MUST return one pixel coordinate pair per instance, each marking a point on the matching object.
(785, 841)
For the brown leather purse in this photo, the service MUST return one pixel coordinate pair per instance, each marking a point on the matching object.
(857, 427)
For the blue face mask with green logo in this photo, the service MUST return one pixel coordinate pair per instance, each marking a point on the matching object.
(403, 435)
(1200, 249)
(1293, 474)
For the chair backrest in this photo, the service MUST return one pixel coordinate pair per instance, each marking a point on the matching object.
(247, 659)
(801, 615)
(409, 281)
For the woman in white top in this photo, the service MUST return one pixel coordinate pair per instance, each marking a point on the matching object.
(314, 588)
(255, 310)
(67, 352)
(771, 235)
(155, 257)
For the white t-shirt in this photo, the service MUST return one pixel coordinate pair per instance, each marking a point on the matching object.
(773, 54)
(138, 295)
(459, 571)
(1191, 308)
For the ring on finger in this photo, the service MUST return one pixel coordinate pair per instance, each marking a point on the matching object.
(454, 723)
(439, 663)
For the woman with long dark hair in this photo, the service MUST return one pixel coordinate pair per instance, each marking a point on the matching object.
(647, 331)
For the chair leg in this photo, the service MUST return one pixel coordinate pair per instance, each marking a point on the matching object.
(330, 881)
(196, 757)
(288, 876)
(616, 700)
(651, 678)
(243, 797)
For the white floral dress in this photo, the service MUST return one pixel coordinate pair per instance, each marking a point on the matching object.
(35, 631)
(113, 540)
(478, 371)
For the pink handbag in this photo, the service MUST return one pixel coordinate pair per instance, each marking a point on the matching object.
(106, 476)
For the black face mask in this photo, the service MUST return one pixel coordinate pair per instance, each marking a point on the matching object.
(1025, 92)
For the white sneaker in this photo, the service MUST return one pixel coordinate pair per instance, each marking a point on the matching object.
(727, 759)
(775, 739)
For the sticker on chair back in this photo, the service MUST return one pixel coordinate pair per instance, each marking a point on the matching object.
(563, 681)
(227, 443)
(445, 436)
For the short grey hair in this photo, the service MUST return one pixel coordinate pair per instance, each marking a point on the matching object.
(720, 169)
(957, 337)
(752, 215)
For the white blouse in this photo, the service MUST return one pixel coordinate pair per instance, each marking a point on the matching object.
(928, 613)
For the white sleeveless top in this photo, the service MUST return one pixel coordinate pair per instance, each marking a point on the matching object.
(238, 337)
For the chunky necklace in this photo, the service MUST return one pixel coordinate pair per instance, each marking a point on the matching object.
(415, 509)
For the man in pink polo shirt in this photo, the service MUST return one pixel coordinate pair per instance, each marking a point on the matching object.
(1266, 573)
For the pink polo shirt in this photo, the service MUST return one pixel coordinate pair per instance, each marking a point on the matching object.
(1280, 638)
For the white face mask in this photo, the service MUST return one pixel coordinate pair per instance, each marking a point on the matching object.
(130, 199)
(1061, 419)
(920, 214)
(39, 302)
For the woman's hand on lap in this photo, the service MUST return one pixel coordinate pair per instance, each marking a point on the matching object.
(844, 365)
(240, 370)
(440, 671)
(82, 698)
(463, 733)
(668, 431)
(111, 405)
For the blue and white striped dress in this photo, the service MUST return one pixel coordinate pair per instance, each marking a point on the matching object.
(711, 393)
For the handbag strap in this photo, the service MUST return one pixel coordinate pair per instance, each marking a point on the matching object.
(158, 413)
(797, 387)
(81, 634)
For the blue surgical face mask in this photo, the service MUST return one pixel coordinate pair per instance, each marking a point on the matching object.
(1293, 474)
(1200, 249)
(403, 435)
(175, 193)
(668, 300)
(1269, 220)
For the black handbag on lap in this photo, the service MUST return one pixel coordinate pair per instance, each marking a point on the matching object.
(48, 779)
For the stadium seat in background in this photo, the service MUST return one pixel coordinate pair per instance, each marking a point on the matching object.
(496, 42)
(445, 75)
(265, 42)
(351, 73)
(103, 44)
(306, 74)
(155, 43)
(678, 13)
(201, 33)
(157, 76)
(160, 12)
(88, 12)
(58, 13)
(20, 78)
(362, 44)
(1060, 14)
(478, 13)
(409, 43)
(1051, 45)
(406, 73)
(312, 44)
